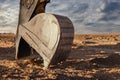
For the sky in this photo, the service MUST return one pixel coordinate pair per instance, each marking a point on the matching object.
(88, 16)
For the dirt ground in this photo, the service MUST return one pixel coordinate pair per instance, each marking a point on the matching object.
(93, 57)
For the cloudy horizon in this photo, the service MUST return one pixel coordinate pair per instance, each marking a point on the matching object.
(88, 16)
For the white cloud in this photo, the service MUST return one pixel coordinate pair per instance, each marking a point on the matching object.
(81, 12)
(8, 15)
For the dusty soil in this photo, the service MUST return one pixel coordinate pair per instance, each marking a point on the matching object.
(93, 57)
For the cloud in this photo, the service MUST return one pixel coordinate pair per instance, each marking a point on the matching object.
(111, 11)
(8, 14)
(88, 16)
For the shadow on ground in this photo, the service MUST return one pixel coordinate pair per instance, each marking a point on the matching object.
(86, 62)
(7, 53)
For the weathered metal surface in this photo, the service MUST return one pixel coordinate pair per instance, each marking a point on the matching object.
(51, 36)
(29, 8)
(25, 15)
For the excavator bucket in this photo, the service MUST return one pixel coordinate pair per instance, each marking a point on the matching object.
(50, 35)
